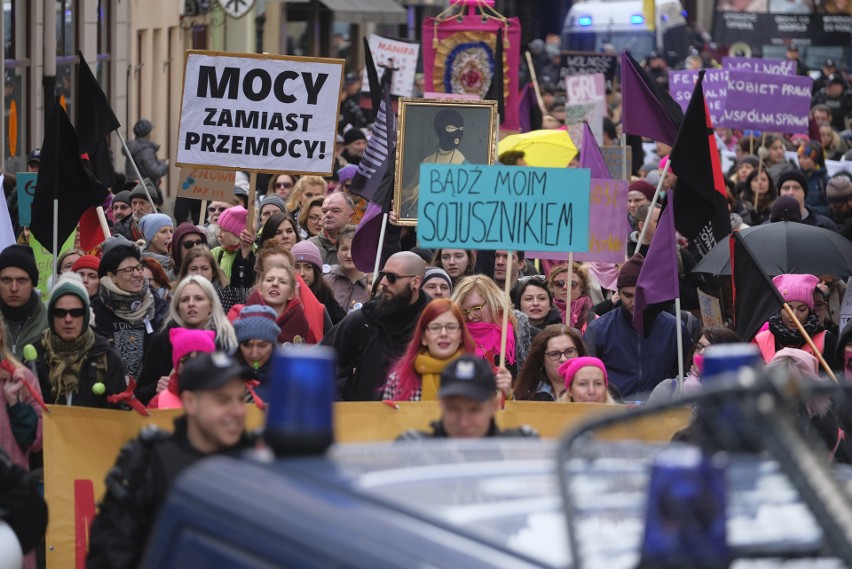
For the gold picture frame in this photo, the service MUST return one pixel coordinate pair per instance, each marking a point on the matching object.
(419, 141)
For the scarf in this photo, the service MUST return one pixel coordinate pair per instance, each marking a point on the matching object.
(579, 308)
(429, 368)
(64, 360)
(486, 335)
(792, 338)
(133, 307)
(20, 313)
(165, 261)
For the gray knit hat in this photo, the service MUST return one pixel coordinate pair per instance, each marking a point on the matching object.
(273, 199)
(257, 322)
(839, 189)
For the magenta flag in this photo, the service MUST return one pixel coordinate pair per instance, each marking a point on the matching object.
(658, 283)
(365, 242)
(647, 109)
(590, 155)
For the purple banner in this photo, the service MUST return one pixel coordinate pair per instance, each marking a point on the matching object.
(715, 87)
(758, 65)
(608, 226)
(767, 102)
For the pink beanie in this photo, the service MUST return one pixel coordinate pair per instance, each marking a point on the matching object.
(187, 341)
(572, 366)
(807, 364)
(797, 287)
(234, 219)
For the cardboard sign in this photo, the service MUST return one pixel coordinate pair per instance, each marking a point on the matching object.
(759, 65)
(587, 63)
(395, 55)
(711, 310)
(503, 207)
(202, 184)
(259, 112)
(25, 183)
(585, 101)
(777, 103)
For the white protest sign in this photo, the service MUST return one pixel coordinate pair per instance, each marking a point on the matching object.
(259, 112)
(585, 101)
(846, 308)
(400, 57)
(204, 184)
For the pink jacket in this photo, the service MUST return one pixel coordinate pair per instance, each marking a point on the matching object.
(7, 439)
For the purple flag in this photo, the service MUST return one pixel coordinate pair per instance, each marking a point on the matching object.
(647, 110)
(590, 155)
(658, 282)
(529, 114)
(365, 242)
(373, 180)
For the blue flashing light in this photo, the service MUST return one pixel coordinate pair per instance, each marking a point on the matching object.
(637, 20)
(585, 21)
(683, 13)
(665, 17)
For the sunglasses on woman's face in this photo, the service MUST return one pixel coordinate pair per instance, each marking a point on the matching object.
(188, 244)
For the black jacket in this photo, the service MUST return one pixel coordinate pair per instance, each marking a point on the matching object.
(21, 503)
(438, 432)
(367, 346)
(113, 379)
(118, 332)
(135, 489)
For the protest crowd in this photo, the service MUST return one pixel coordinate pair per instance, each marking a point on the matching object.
(180, 310)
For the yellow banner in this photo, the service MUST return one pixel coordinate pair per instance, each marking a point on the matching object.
(81, 444)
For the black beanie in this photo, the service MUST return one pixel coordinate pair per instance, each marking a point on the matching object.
(22, 257)
(113, 258)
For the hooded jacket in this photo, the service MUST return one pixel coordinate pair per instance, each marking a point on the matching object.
(144, 153)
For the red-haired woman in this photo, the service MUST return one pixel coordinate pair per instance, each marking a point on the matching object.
(440, 337)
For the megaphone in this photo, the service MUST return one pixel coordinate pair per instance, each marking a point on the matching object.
(740, 49)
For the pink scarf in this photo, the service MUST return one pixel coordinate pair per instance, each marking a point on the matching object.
(486, 335)
(578, 309)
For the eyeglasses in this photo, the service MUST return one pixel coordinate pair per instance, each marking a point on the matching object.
(63, 312)
(214, 209)
(314, 218)
(283, 184)
(436, 328)
(130, 270)
(190, 244)
(556, 355)
(473, 312)
(393, 277)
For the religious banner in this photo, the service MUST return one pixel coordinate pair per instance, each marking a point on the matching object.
(399, 58)
(459, 57)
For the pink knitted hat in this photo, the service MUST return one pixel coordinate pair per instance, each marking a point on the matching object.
(797, 287)
(187, 341)
(234, 219)
(570, 368)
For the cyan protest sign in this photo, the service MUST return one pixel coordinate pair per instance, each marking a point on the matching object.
(503, 207)
(25, 183)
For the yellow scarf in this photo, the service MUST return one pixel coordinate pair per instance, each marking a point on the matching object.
(429, 368)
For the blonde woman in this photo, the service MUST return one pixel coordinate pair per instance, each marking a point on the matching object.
(307, 188)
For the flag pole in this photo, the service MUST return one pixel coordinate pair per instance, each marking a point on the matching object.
(250, 204)
(55, 236)
(135, 169)
(538, 98)
(203, 212)
(380, 246)
(653, 204)
(810, 342)
(103, 221)
(567, 319)
(504, 331)
(679, 331)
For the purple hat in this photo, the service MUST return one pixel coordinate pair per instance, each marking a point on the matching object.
(305, 251)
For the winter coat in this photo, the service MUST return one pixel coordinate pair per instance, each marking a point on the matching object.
(815, 192)
(19, 334)
(136, 487)
(123, 336)
(101, 355)
(367, 346)
(818, 220)
(144, 153)
(327, 249)
(347, 293)
(634, 365)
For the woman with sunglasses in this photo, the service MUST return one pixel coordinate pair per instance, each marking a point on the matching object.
(580, 312)
(483, 305)
(186, 237)
(281, 184)
(194, 306)
(126, 311)
(75, 366)
(439, 337)
(539, 379)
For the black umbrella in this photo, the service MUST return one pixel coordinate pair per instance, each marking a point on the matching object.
(786, 247)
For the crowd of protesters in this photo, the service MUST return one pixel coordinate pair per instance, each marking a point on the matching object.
(132, 321)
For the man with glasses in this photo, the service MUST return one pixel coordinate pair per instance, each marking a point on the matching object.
(24, 315)
(369, 340)
(126, 311)
(634, 364)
